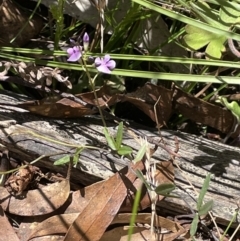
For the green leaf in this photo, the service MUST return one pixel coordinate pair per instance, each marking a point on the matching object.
(205, 208)
(194, 225)
(119, 135)
(216, 47)
(203, 191)
(76, 155)
(229, 14)
(124, 150)
(63, 160)
(197, 38)
(233, 107)
(165, 188)
(140, 153)
(110, 140)
(141, 177)
(206, 13)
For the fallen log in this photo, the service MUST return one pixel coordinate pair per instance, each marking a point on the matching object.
(198, 156)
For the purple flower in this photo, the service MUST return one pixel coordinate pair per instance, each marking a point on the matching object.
(105, 65)
(85, 42)
(74, 53)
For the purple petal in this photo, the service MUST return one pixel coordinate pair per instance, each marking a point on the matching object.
(77, 48)
(98, 61)
(104, 69)
(106, 58)
(70, 51)
(75, 54)
(111, 64)
(86, 38)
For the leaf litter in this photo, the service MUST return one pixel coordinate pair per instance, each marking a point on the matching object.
(99, 204)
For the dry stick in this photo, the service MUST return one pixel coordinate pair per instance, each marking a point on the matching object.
(203, 90)
(233, 49)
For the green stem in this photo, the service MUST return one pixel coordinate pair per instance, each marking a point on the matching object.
(92, 84)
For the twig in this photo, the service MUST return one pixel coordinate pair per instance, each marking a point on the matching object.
(232, 47)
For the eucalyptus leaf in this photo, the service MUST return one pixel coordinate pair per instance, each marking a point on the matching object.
(63, 160)
(205, 208)
(203, 191)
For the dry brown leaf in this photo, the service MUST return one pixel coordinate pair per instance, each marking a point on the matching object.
(203, 112)
(139, 234)
(67, 108)
(81, 198)
(164, 174)
(103, 207)
(36, 202)
(121, 234)
(147, 96)
(143, 233)
(145, 218)
(19, 180)
(57, 224)
(6, 231)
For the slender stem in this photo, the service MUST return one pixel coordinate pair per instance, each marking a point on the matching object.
(92, 83)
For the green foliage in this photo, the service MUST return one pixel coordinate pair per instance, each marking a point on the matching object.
(66, 159)
(136, 202)
(202, 209)
(233, 107)
(57, 13)
(203, 191)
(205, 208)
(140, 153)
(162, 189)
(194, 225)
(196, 38)
(116, 144)
(63, 160)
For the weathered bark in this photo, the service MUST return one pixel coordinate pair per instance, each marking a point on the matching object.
(198, 156)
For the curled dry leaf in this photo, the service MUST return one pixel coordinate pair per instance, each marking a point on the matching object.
(19, 181)
(36, 202)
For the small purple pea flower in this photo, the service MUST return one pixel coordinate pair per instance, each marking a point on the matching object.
(85, 42)
(105, 65)
(74, 53)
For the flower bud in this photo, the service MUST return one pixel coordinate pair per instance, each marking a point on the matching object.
(85, 42)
